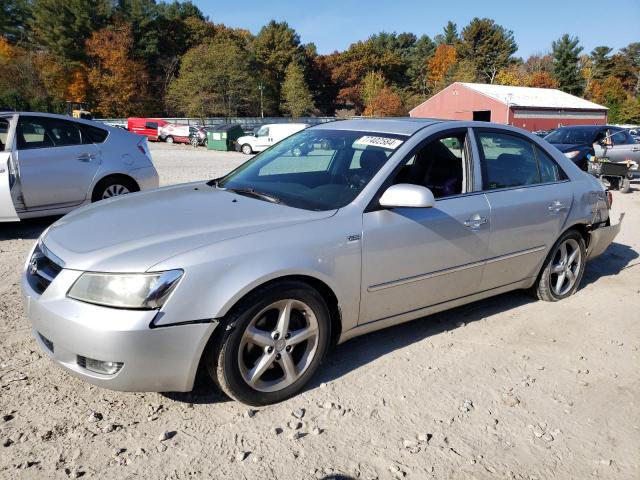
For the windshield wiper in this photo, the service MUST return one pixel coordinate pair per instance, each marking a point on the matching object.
(250, 192)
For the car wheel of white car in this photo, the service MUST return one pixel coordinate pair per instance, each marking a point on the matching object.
(563, 268)
(169, 139)
(246, 149)
(271, 344)
(113, 187)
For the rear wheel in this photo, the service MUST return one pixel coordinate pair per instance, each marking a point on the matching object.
(246, 149)
(563, 268)
(113, 187)
(169, 139)
(271, 344)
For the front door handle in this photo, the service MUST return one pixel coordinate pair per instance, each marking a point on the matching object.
(556, 207)
(475, 222)
(635, 149)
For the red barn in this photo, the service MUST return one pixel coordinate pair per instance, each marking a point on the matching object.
(524, 107)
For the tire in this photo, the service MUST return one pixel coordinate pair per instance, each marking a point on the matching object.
(168, 139)
(235, 354)
(625, 185)
(246, 149)
(113, 187)
(554, 281)
(297, 151)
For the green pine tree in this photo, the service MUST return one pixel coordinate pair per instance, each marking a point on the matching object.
(566, 64)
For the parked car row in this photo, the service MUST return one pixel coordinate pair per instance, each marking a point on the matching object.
(338, 230)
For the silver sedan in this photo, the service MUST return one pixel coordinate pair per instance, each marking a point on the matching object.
(253, 275)
(51, 164)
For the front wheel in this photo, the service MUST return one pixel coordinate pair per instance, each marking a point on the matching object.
(563, 268)
(271, 344)
(169, 139)
(246, 149)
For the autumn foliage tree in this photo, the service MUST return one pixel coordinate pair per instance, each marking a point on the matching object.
(116, 81)
(441, 62)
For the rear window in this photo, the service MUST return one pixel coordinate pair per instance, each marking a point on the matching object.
(94, 134)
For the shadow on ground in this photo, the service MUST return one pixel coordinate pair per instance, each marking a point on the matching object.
(355, 353)
(25, 229)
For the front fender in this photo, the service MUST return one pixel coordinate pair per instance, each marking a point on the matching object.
(217, 276)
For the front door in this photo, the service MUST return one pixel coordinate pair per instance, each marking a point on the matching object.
(529, 197)
(7, 209)
(413, 258)
(263, 138)
(56, 167)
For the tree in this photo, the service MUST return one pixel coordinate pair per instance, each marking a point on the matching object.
(614, 95)
(215, 78)
(600, 62)
(417, 70)
(441, 62)
(14, 15)
(632, 54)
(489, 45)
(449, 36)
(541, 80)
(298, 100)
(566, 64)
(386, 103)
(513, 75)
(117, 82)
(630, 111)
(372, 84)
(63, 26)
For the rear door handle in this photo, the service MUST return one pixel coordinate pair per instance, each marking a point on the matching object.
(475, 222)
(85, 157)
(556, 207)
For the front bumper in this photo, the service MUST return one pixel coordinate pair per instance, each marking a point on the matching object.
(159, 359)
(602, 237)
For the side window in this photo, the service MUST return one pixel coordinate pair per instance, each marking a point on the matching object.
(263, 132)
(440, 165)
(4, 132)
(152, 125)
(32, 133)
(93, 134)
(622, 137)
(64, 134)
(509, 161)
(550, 171)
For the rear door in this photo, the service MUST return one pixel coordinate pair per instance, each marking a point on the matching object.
(56, 167)
(529, 196)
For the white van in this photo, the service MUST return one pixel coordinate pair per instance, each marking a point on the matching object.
(267, 135)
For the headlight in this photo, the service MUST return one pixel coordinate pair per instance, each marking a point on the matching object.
(572, 154)
(145, 291)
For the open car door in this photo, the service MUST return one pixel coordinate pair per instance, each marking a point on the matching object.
(7, 209)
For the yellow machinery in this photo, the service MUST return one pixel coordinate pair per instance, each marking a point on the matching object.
(78, 110)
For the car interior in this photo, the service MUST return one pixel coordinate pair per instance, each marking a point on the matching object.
(439, 166)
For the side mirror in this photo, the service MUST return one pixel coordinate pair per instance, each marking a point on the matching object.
(407, 195)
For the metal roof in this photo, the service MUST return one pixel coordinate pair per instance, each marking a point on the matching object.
(398, 126)
(533, 97)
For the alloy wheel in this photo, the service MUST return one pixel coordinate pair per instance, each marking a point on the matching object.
(278, 345)
(565, 267)
(114, 191)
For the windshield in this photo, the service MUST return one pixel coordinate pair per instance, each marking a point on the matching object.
(572, 136)
(314, 169)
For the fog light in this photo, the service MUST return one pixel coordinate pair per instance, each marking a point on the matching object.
(100, 366)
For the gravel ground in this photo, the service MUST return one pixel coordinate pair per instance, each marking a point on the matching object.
(503, 388)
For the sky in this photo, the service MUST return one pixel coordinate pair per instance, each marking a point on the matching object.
(335, 24)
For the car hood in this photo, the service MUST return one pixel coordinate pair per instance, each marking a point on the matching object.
(134, 232)
(567, 147)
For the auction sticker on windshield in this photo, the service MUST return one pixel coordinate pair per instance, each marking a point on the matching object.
(382, 142)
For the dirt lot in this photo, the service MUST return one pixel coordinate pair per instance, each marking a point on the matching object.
(504, 388)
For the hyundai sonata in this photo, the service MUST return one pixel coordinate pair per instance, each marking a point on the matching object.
(254, 274)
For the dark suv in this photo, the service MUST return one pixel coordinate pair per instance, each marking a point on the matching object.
(580, 141)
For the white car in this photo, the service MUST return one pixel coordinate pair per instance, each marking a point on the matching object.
(51, 164)
(267, 135)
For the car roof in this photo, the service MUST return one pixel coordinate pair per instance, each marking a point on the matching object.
(398, 126)
(60, 117)
(586, 127)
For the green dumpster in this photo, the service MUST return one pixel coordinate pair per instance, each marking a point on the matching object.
(222, 137)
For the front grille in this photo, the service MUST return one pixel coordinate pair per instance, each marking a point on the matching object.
(41, 270)
(82, 361)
